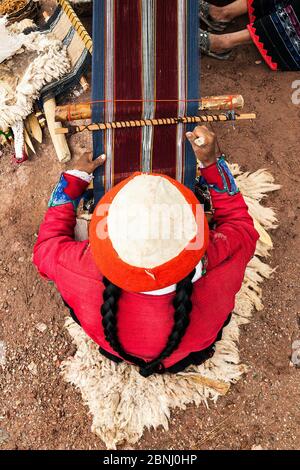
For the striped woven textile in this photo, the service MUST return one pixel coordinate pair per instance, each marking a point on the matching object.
(145, 65)
(275, 30)
(60, 26)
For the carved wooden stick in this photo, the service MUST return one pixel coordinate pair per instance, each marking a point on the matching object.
(151, 122)
(217, 385)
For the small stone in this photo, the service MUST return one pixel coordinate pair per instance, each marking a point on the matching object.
(295, 359)
(33, 368)
(4, 436)
(41, 327)
(2, 353)
(258, 447)
(258, 62)
(21, 259)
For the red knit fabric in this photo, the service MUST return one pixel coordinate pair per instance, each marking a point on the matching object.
(261, 48)
(145, 322)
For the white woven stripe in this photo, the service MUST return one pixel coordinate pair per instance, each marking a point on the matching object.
(181, 8)
(148, 46)
(109, 91)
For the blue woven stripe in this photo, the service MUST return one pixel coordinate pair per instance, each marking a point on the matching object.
(98, 74)
(193, 91)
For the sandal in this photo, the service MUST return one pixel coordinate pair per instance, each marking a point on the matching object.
(204, 45)
(204, 16)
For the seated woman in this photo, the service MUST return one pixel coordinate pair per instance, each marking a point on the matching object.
(153, 285)
(274, 28)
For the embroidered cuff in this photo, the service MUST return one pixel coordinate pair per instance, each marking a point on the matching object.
(69, 189)
(219, 178)
(83, 175)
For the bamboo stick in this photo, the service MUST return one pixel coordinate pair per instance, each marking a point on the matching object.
(151, 122)
(74, 112)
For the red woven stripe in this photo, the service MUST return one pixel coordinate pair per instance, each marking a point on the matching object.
(128, 85)
(164, 144)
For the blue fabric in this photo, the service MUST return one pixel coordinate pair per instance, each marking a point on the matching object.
(277, 25)
(223, 169)
(98, 92)
(193, 83)
(59, 197)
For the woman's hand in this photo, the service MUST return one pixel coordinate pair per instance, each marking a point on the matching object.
(87, 164)
(203, 142)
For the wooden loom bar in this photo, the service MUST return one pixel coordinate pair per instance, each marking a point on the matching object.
(218, 103)
(74, 112)
(153, 122)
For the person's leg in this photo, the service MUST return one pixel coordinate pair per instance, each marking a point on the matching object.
(229, 12)
(224, 42)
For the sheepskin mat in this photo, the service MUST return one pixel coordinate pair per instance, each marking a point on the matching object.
(123, 403)
(32, 61)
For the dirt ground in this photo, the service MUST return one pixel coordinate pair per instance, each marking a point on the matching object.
(38, 410)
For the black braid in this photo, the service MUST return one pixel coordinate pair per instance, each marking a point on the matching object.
(183, 307)
(109, 310)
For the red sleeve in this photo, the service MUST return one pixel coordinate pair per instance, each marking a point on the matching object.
(234, 229)
(57, 229)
